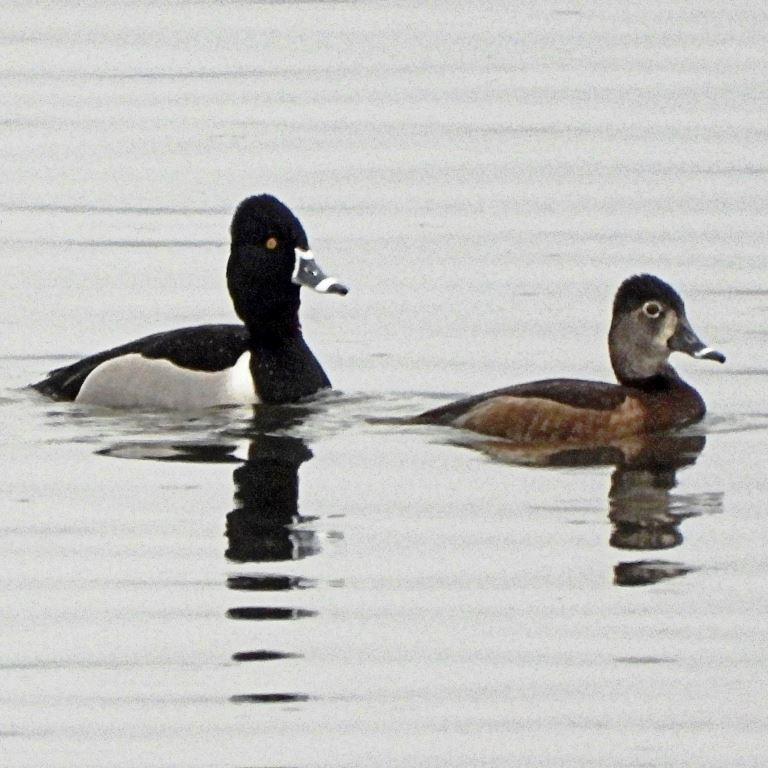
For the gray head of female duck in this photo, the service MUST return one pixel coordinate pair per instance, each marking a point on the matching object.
(648, 325)
(269, 261)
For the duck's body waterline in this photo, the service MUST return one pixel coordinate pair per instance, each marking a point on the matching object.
(649, 323)
(264, 360)
(572, 410)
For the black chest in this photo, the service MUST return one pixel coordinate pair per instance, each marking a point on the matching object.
(286, 371)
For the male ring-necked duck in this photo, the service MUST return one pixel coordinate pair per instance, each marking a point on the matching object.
(648, 324)
(264, 360)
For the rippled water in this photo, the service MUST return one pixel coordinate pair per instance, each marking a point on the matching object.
(302, 586)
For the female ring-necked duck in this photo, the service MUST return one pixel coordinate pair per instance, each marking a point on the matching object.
(648, 324)
(265, 360)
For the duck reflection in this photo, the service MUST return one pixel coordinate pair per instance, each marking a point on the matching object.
(259, 529)
(262, 526)
(643, 508)
(646, 512)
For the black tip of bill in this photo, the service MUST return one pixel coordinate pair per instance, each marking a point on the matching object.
(342, 290)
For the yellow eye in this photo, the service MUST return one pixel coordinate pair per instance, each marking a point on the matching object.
(271, 243)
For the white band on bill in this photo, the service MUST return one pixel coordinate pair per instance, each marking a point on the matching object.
(301, 256)
(325, 284)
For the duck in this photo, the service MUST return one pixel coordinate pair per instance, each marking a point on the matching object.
(263, 360)
(648, 324)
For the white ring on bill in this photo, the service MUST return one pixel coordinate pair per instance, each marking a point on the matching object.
(300, 255)
(325, 284)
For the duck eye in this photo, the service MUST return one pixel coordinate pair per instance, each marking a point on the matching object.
(271, 243)
(652, 309)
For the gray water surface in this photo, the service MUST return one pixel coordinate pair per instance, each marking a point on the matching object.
(301, 587)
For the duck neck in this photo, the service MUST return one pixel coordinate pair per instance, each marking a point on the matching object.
(270, 319)
(276, 327)
(664, 379)
(674, 402)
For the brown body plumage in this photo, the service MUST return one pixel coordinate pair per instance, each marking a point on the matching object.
(649, 323)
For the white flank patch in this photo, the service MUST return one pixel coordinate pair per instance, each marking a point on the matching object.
(134, 381)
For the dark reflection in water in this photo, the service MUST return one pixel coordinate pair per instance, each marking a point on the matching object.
(260, 613)
(269, 583)
(645, 512)
(261, 527)
(188, 453)
(269, 698)
(264, 656)
(644, 572)
(267, 498)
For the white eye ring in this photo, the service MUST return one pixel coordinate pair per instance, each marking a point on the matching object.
(652, 309)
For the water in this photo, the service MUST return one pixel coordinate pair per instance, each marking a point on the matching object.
(303, 587)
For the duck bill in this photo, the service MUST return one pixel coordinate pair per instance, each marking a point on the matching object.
(684, 339)
(307, 272)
